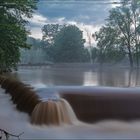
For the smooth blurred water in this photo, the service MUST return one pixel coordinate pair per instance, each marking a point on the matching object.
(63, 76)
(41, 78)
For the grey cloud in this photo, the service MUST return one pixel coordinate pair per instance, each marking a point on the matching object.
(95, 12)
(86, 13)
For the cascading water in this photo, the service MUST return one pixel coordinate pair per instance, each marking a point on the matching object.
(53, 112)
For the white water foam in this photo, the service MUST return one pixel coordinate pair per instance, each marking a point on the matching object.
(16, 122)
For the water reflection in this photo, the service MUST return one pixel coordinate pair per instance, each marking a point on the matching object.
(90, 78)
(112, 77)
(118, 77)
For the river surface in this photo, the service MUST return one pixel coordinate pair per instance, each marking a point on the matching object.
(56, 77)
(110, 77)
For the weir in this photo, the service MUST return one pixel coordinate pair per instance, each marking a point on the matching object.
(50, 112)
(90, 104)
(22, 95)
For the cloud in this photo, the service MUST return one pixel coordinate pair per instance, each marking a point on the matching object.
(89, 29)
(80, 11)
(87, 15)
(36, 32)
(37, 19)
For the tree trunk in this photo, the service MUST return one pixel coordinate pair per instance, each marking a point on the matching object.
(137, 57)
(90, 53)
(101, 59)
(130, 77)
(130, 57)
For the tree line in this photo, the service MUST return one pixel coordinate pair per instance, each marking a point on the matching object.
(117, 40)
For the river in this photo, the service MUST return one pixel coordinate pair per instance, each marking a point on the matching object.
(58, 76)
(63, 76)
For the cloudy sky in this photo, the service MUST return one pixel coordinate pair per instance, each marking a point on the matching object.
(88, 15)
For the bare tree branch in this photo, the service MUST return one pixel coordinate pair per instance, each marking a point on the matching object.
(7, 134)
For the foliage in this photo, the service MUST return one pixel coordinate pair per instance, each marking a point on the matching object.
(35, 43)
(95, 53)
(49, 33)
(69, 45)
(36, 54)
(109, 45)
(121, 33)
(13, 33)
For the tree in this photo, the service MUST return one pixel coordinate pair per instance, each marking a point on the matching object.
(135, 6)
(95, 54)
(35, 54)
(109, 45)
(49, 32)
(122, 31)
(69, 45)
(13, 33)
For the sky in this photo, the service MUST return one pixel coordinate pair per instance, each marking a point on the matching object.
(88, 15)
